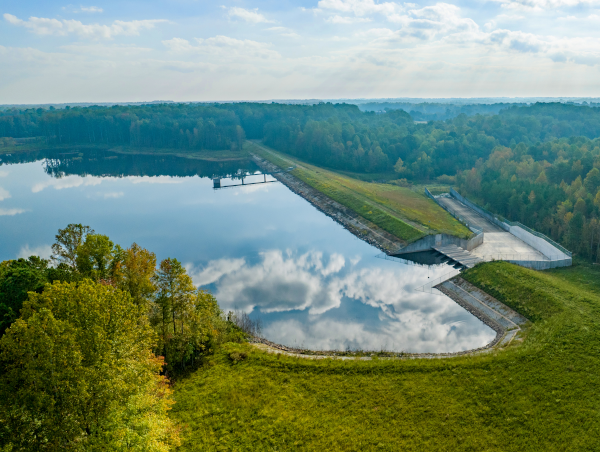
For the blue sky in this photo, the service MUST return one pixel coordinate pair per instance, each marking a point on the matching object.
(186, 50)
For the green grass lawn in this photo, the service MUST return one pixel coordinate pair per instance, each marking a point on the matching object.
(400, 211)
(542, 395)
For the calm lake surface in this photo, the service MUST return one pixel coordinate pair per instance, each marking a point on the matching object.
(260, 248)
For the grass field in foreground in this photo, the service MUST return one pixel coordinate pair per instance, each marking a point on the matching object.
(541, 395)
(401, 211)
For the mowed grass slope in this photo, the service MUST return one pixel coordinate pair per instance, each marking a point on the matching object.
(541, 395)
(400, 211)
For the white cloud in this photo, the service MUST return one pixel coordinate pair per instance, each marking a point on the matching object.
(278, 283)
(375, 33)
(285, 281)
(38, 25)
(577, 50)
(443, 25)
(91, 9)
(358, 7)
(433, 21)
(346, 20)
(113, 51)
(113, 195)
(421, 335)
(66, 182)
(179, 45)
(43, 251)
(11, 212)
(4, 194)
(253, 17)
(540, 5)
(3, 173)
(64, 27)
(154, 180)
(248, 189)
(214, 271)
(335, 264)
(223, 47)
(284, 31)
(509, 17)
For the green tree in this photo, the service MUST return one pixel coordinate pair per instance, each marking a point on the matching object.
(399, 166)
(134, 271)
(592, 180)
(95, 256)
(67, 242)
(580, 206)
(17, 278)
(576, 231)
(184, 319)
(78, 374)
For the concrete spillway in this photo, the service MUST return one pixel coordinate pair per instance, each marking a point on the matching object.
(495, 240)
(458, 255)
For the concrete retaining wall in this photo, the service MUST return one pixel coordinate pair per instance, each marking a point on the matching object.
(538, 243)
(428, 194)
(431, 241)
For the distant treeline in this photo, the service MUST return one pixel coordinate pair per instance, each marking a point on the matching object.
(176, 126)
(339, 136)
(432, 111)
(101, 163)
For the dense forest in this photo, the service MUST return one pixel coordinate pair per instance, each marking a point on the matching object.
(553, 187)
(338, 136)
(536, 164)
(154, 126)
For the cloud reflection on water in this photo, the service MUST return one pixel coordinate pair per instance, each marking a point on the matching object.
(393, 315)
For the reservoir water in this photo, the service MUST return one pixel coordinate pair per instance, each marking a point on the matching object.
(258, 248)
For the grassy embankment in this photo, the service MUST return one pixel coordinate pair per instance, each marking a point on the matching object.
(541, 395)
(397, 210)
(205, 154)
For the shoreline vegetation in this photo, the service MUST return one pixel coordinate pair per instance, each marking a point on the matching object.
(205, 154)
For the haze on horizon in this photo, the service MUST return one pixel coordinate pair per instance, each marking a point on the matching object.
(186, 50)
